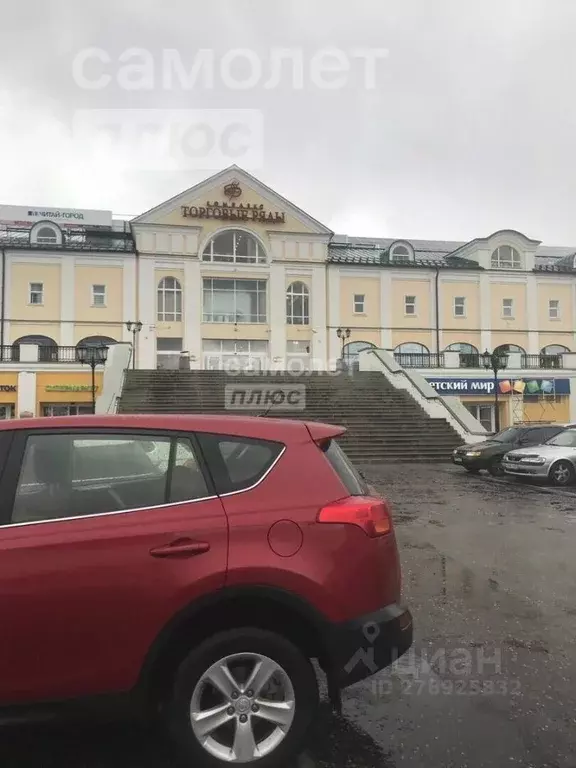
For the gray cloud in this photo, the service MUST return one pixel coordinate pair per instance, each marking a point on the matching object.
(470, 128)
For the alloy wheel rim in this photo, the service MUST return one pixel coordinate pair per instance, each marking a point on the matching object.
(242, 708)
(561, 473)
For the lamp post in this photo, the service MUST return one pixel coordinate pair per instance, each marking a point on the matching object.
(93, 356)
(495, 361)
(134, 328)
(343, 334)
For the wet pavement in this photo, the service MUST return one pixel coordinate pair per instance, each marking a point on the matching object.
(490, 574)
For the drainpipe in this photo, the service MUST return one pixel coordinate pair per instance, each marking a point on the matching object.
(3, 298)
(136, 288)
(437, 310)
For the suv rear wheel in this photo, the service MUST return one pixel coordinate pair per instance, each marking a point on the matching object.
(243, 697)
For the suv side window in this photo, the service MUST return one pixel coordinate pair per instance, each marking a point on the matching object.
(73, 475)
(238, 463)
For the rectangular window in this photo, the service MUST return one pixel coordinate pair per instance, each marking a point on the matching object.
(409, 305)
(234, 301)
(459, 306)
(36, 293)
(98, 295)
(554, 309)
(359, 303)
(75, 475)
(66, 409)
(508, 308)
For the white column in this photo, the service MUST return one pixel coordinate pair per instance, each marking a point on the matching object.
(334, 343)
(129, 289)
(7, 301)
(277, 315)
(485, 313)
(386, 309)
(26, 393)
(147, 303)
(532, 319)
(67, 299)
(318, 319)
(193, 313)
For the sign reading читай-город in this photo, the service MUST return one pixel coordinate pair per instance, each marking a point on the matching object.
(485, 386)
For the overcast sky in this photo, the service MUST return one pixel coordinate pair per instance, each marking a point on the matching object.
(469, 128)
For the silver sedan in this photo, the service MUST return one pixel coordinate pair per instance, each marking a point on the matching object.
(554, 461)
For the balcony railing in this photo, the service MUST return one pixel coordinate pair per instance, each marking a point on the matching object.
(542, 361)
(75, 240)
(411, 360)
(44, 354)
(475, 361)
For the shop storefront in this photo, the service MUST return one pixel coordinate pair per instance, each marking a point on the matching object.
(520, 401)
(62, 394)
(8, 395)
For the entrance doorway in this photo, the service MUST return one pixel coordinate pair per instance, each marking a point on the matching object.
(235, 354)
(485, 414)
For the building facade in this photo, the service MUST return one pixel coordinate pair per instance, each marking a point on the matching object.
(237, 276)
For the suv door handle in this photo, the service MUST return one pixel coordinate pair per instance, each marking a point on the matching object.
(180, 548)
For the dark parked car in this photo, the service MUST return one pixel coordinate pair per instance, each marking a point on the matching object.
(489, 453)
(196, 565)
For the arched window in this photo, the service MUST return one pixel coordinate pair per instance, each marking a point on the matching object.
(96, 341)
(401, 252)
(298, 304)
(509, 349)
(506, 257)
(411, 348)
(469, 356)
(47, 348)
(46, 233)
(462, 347)
(234, 245)
(351, 351)
(412, 354)
(554, 349)
(169, 299)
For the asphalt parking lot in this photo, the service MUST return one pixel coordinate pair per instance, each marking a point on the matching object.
(490, 574)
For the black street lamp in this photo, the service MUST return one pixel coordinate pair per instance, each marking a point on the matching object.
(134, 328)
(343, 334)
(495, 361)
(93, 356)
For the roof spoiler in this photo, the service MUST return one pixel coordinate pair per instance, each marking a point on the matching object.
(320, 432)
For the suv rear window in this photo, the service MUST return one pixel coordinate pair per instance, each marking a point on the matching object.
(341, 464)
(238, 463)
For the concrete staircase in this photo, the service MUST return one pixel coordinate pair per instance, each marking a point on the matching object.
(383, 424)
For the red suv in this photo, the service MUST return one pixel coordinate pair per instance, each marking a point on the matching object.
(197, 564)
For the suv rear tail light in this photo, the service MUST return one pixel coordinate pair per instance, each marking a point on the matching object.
(370, 514)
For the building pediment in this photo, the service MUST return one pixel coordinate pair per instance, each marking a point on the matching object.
(232, 198)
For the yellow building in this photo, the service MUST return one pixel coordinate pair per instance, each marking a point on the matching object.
(232, 273)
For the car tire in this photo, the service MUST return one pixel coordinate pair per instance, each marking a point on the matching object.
(472, 470)
(296, 681)
(562, 473)
(495, 468)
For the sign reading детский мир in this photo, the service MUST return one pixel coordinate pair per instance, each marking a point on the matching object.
(471, 386)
